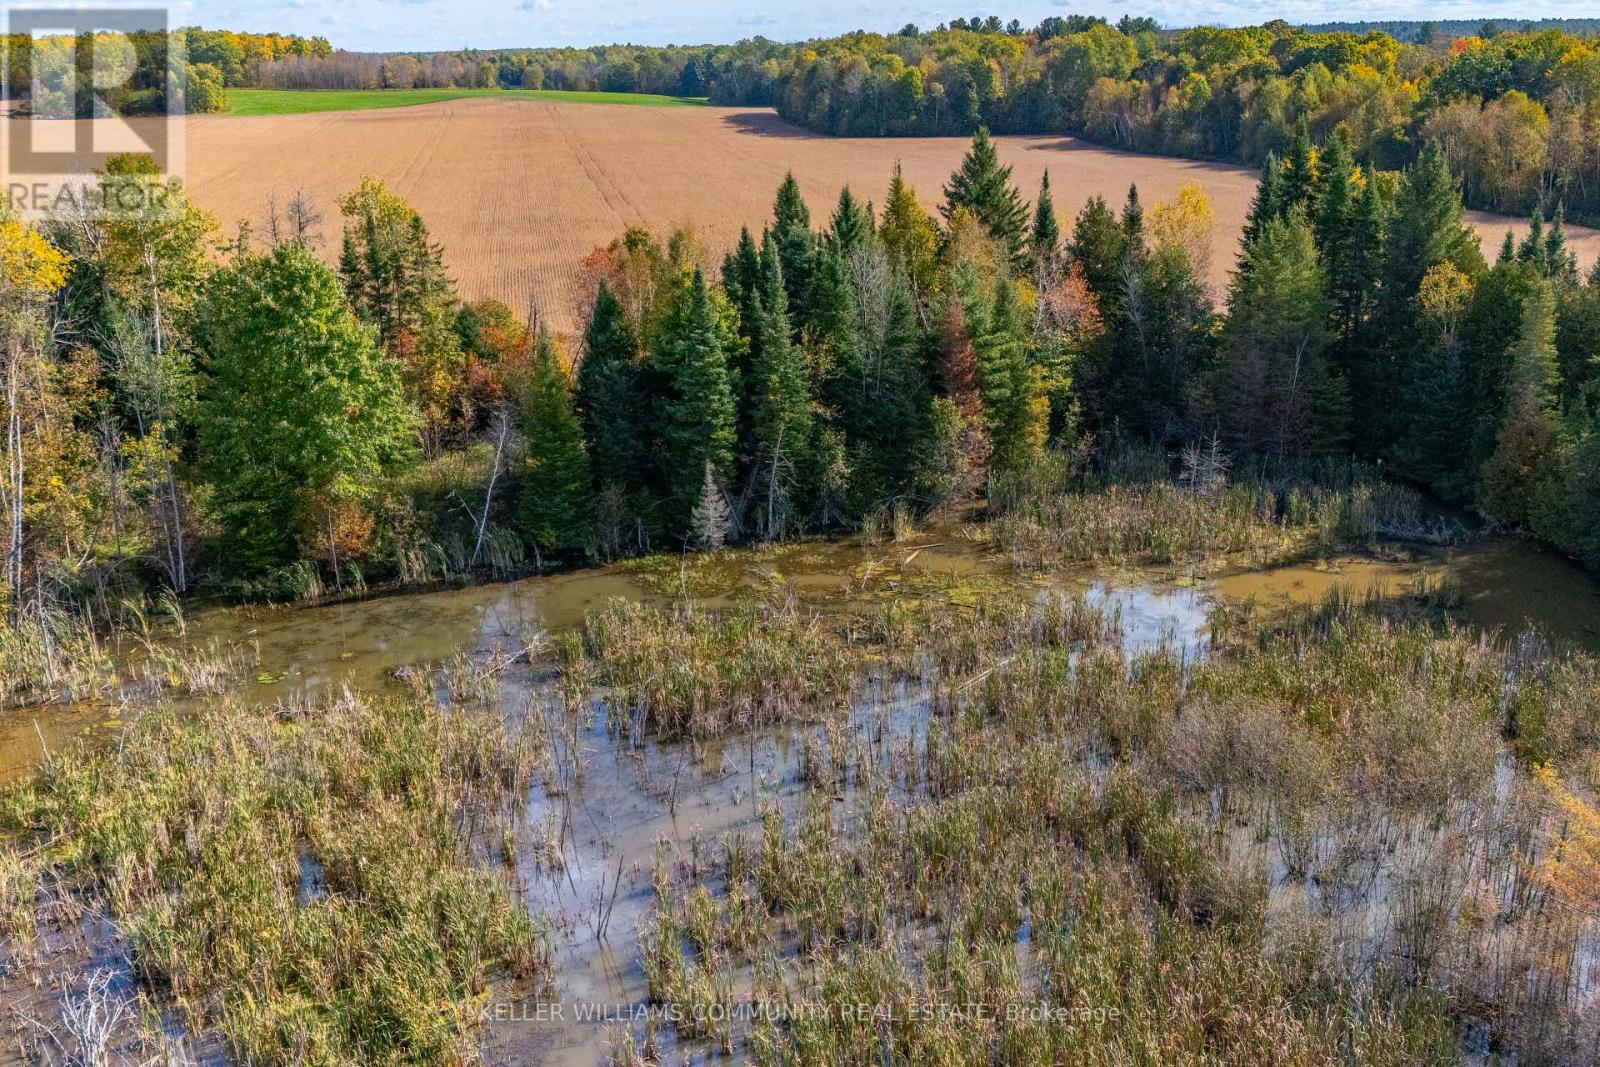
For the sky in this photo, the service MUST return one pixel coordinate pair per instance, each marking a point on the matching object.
(427, 25)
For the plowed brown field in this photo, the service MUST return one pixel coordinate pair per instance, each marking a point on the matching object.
(519, 192)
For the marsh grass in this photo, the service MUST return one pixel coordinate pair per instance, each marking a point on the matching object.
(688, 672)
(62, 658)
(1324, 843)
(1133, 513)
(197, 831)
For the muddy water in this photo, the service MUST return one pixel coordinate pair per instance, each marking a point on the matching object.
(307, 651)
(586, 851)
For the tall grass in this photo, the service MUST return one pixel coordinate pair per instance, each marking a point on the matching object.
(301, 881)
(1132, 512)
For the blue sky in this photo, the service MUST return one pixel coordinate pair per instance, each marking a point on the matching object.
(392, 25)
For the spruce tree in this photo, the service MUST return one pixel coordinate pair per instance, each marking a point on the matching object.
(910, 235)
(557, 487)
(791, 229)
(1299, 167)
(983, 186)
(1097, 246)
(851, 223)
(1562, 263)
(609, 396)
(1427, 227)
(1044, 243)
(1508, 249)
(712, 520)
(695, 413)
(1521, 474)
(781, 421)
(1333, 214)
(1268, 203)
(1533, 250)
(1274, 392)
(1013, 410)
(741, 279)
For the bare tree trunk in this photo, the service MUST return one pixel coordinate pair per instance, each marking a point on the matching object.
(15, 473)
(176, 564)
(502, 437)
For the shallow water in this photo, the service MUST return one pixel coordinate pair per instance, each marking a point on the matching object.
(586, 851)
(307, 651)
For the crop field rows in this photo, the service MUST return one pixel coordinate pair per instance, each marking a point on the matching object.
(518, 192)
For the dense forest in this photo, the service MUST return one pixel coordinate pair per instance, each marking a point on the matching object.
(261, 423)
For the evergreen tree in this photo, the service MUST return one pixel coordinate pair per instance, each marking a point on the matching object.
(1563, 264)
(1275, 393)
(1269, 202)
(1133, 222)
(1333, 204)
(851, 223)
(695, 413)
(791, 230)
(1508, 249)
(781, 420)
(1521, 476)
(300, 412)
(712, 520)
(1299, 167)
(1097, 246)
(1489, 334)
(983, 186)
(741, 278)
(609, 396)
(1533, 250)
(1044, 243)
(910, 235)
(1427, 228)
(557, 488)
(1014, 411)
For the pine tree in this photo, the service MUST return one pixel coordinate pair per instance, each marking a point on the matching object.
(1044, 243)
(791, 229)
(1508, 249)
(851, 223)
(695, 413)
(554, 503)
(983, 186)
(609, 396)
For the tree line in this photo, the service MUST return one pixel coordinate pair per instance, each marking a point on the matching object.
(1518, 113)
(141, 72)
(262, 420)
